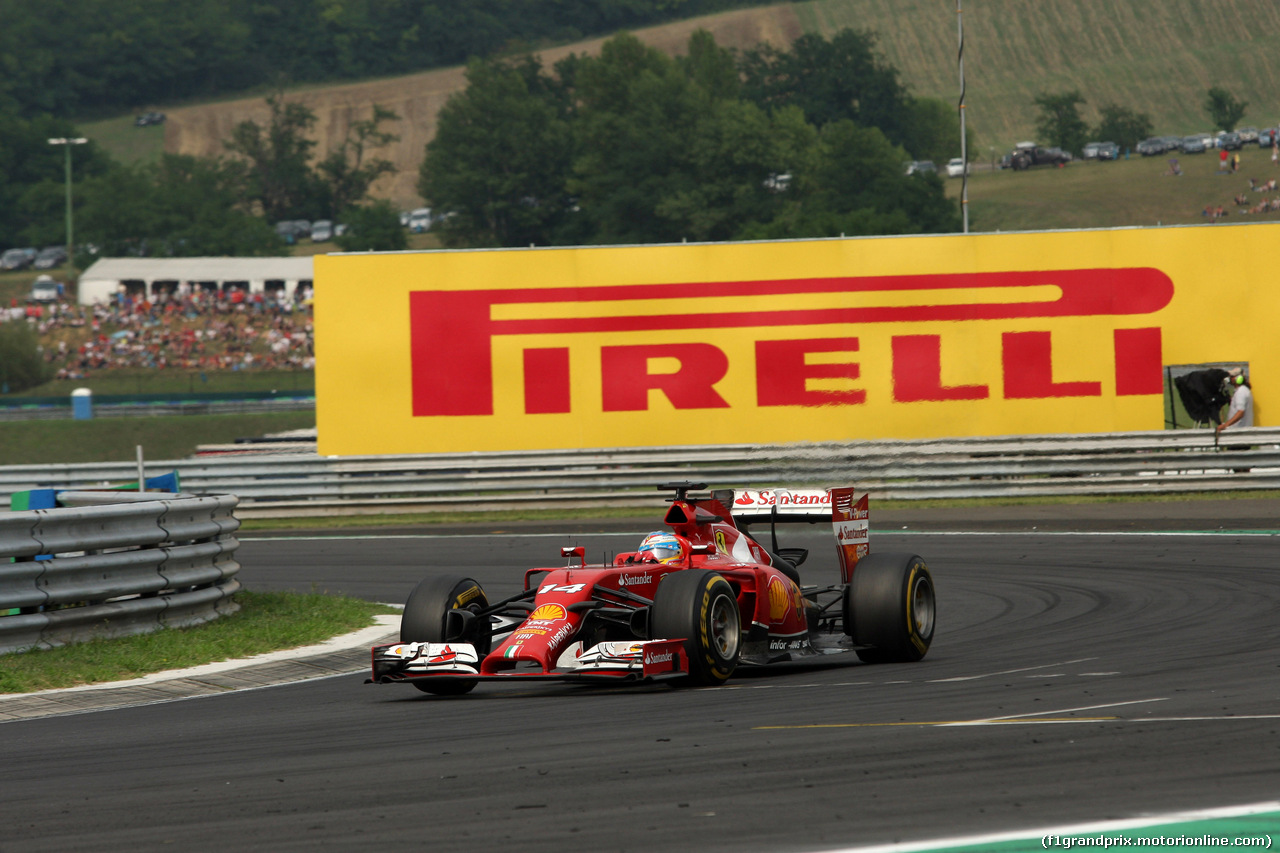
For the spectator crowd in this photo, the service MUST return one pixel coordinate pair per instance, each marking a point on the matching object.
(1266, 204)
(186, 328)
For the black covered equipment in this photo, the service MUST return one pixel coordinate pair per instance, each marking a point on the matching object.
(1202, 393)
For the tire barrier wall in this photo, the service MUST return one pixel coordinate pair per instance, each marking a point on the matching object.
(112, 564)
(1011, 466)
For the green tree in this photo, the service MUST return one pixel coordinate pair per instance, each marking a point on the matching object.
(1123, 126)
(373, 228)
(1223, 108)
(840, 78)
(1060, 123)
(500, 158)
(711, 67)
(638, 110)
(854, 185)
(632, 146)
(182, 206)
(22, 363)
(69, 57)
(933, 130)
(33, 178)
(276, 160)
(728, 172)
(346, 172)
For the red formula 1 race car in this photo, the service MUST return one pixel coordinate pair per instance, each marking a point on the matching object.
(690, 605)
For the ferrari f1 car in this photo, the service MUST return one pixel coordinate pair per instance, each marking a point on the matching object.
(706, 598)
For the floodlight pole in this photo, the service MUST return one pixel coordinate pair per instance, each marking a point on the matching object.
(67, 142)
(964, 149)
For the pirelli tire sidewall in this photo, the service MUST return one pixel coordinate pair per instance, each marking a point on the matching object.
(701, 608)
(891, 608)
(426, 620)
(426, 612)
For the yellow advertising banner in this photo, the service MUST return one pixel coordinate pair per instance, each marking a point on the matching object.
(773, 342)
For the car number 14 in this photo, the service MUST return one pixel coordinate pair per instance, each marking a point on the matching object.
(569, 588)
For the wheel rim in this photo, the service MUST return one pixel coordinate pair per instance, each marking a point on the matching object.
(922, 607)
(725, 630)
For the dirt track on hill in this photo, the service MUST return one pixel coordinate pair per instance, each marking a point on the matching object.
(200, 130)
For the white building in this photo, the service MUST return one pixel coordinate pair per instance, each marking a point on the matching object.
(151, 276)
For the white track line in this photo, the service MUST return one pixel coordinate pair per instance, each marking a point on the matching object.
(1012, 717)
(1006, 671)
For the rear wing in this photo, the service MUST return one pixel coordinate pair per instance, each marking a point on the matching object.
(848, 513)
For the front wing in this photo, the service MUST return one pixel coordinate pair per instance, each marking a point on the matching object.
(650, 660)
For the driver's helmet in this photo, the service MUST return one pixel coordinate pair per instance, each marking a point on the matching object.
(663, 546)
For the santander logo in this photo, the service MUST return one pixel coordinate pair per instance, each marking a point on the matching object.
(783, 498)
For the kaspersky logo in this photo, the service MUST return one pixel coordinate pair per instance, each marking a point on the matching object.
(464, 324)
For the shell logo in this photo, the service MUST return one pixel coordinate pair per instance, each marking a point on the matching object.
(547, 613)
(779, 599)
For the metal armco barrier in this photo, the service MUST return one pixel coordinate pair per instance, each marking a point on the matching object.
(112, 564)
(304, 484)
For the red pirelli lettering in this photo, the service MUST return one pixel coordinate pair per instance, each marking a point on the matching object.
(546, 381)
(1139, 362)
(917, 372)
(1028, 369)
(782, 374)
(627, 379)
(451, 332)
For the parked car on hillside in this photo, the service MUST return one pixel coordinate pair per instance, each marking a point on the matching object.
(321, 231)
(1230, 141)
(1090, 151)
(1151, 147)
(17, 259)
(45, 289)
(50, 257)
(956, 167)
(1193, 145)
(1028, 154)
(1108, 151)
(1248, 134)
(420, 220)
(293, 230)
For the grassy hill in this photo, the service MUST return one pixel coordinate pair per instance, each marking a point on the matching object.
(1124, 193)
(1160, 58)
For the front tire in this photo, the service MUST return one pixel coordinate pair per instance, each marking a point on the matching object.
(891, 607)
(701, 608)
(426, 620)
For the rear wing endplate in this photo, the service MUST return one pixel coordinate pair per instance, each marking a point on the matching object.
(848, 513)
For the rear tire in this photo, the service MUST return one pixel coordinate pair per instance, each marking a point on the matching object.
(426, 620)
(701, 608)
(891, 607)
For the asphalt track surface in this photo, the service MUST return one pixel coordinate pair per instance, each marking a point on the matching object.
(1076, 677)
